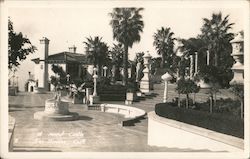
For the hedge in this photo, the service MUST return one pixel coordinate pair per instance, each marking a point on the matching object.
(226, 124)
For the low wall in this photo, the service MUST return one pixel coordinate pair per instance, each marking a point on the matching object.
(131, 113)
(11, 127)
(174, 134)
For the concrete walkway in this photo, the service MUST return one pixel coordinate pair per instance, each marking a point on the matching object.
(94, 131)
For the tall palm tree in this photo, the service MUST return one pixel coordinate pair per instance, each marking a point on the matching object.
(97, 51)
(215, 32)
(164, 44)
(127, 25)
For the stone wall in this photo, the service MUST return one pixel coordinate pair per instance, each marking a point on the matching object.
(173, 134)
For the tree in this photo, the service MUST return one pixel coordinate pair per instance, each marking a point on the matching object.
(116, 54)
(19, 47)
(215, 33)
(238, 90)
(127, 25)
(61, 80)
(97, 52)
(164, 44)
(186, 86)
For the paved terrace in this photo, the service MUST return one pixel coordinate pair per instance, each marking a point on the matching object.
(94, 131)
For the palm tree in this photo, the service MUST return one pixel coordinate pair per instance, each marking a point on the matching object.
(127, 25)
(164, 44)
(215, 32)
(97, 51)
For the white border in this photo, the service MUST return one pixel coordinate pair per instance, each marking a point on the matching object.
(81, 4)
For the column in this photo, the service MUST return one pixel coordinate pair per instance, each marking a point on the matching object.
(196, 63)
(145, 81)
(166, 77)
(208, 57)
(191, 66)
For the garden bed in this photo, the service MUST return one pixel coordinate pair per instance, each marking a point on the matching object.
(219, 122)
(112, 93)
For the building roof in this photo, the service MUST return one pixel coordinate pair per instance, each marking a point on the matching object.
(65, 57)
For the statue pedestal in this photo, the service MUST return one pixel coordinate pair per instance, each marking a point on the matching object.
(238, 76)
(145, 86)
(56, 110)
(238, 70)
(93, 99)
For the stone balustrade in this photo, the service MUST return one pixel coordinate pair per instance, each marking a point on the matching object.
(130, 113)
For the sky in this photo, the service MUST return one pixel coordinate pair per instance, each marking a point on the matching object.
(67, 26)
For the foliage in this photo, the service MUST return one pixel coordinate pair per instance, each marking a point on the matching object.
(60, 79)
(155, 64)
(238, 90)
(97, 51)
(103, 81)
(132, 86)
(19, 47)
(193, 45)
(208, 73)
(213, 74)
(164, 44)
(127, 25)
(116, 54)
(225, 123)
(216, 35)
(186, 86)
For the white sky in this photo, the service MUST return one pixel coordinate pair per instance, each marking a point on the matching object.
(67, 26)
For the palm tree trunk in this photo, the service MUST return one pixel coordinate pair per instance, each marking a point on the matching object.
(99, 70)
(125, 65)
(162, 60)
(187, 97)
(194, 99)
(215, 100)
(179, 100)
(216, 59)
(241, 109)
(211, 104)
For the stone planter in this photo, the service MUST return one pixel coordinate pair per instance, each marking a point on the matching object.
(130, 97)
(56, 110)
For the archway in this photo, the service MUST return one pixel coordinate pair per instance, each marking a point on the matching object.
(31, 88)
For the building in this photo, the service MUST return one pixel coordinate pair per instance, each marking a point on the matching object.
(72, 63)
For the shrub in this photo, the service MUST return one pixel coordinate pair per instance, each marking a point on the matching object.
(226, 124)
(187, 86)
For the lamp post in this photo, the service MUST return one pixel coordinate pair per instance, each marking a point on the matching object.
(166, 77)
(105, 71)
(238, 54)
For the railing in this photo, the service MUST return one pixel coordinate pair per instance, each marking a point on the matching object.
(132, 114)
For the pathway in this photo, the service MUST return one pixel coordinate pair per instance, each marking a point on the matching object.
(94, 131)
